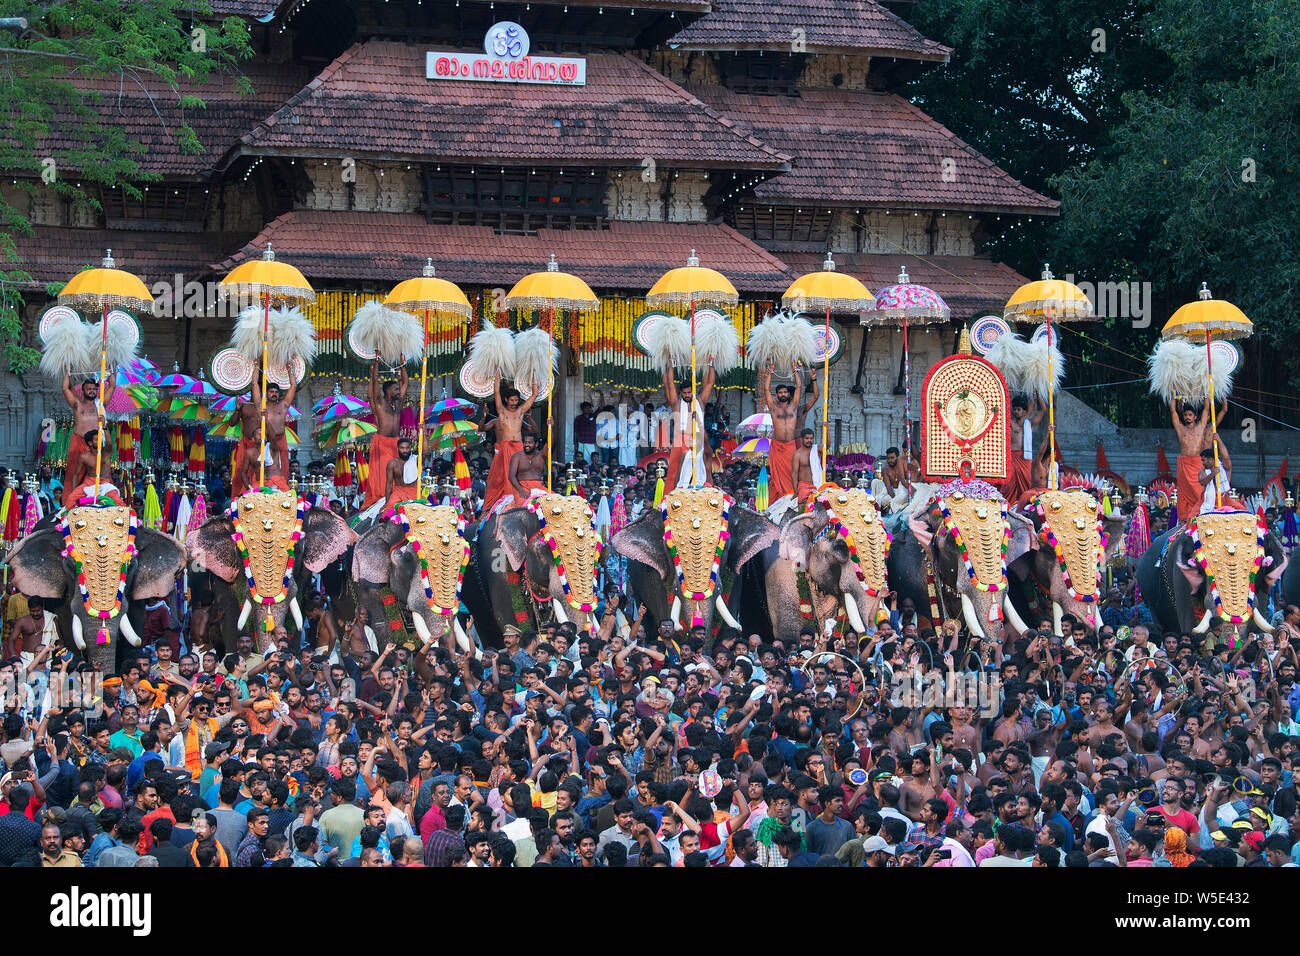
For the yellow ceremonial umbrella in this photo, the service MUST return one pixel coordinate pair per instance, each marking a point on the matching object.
(271, 280)
(834, 292)
(1209, 319)
(1050, 299)
(104, 288)
(426, 294)
(551, 290)
(696, 285)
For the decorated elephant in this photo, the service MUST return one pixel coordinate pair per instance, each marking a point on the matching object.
(276, 540)
(420, 552)
(102, 562)
(1227, 559)
(963, 543)
(841, 545)
(1075, 541)
(686, 546)
(535, 563)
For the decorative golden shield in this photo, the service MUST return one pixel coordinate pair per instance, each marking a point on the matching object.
(964, 431)
(695, 530)
(268, 523)
(1230, 550)
(436, 529)
(1072, 526)
(854, 515)
(99, 539)
(575, 546)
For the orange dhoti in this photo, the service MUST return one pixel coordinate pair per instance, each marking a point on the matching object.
(1190, 490)
(498, 482)
(531, 485)
(383, 449)
(245, 454)
(87, 490)
(401, 493)
(74, 474)
(806, 489)
(780, 470)
(1019, 477)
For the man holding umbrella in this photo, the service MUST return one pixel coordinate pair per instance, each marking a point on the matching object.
(86, 413)
(386, 403)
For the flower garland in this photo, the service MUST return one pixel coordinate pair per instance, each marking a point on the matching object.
(1261, 531)
(545, 532)
(398, 515)
(838, 527)
(723, 535)
(70, 550)
(995, 613)
(1048, 536)
(238, 537)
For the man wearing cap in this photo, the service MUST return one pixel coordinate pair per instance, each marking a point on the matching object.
(876, 852)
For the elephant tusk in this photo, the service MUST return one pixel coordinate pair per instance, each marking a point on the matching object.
(462, 639)
(246, 610)
(421, 628)
(1204, 625)
(1057, 613)
(724, 612)
(1260, 623)
(296, 611)
(129, 631)
(677, 610)
(1012, 616)
(972, 619)
(76, 633)
(855, 616)
(559, 611)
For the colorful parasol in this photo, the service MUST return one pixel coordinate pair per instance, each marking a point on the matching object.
(456, 434)
(551, 290)
(696, 285)
(451, 410)
(338, 399)
(1209, 319)
(182, 408)
(228, 403)
(830, 291)
(342, 431)
(760, 424)
(188, 385)
(754, 448)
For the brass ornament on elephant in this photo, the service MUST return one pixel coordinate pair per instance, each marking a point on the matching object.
(269, 523)
(437, 530)
(856, 511)
(982, 531)
(568, 528)
(100, 538)
(1072, 525)
(695, 529)
(1230, 550)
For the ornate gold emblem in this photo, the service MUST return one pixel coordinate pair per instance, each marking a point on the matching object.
(696, 519)
(857, 512)
(983, 532)
(436, 528)
(1071, 518)
(575, 546)
(100, 537)
(1230, 554)
(268, 521)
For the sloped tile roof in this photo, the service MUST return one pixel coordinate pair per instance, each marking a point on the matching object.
(265, 9)
(862, 26)
(871, 148)
(969, 284)
(55, 254)
(389, 247)
(374, 100)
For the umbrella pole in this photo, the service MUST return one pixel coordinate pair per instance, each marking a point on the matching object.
(550, 390)
(99, 425)
(826, 389)
(1214, 425)
(1051, 412)
(691, 409)
(266, 327)
(424, 369)
(907, 403)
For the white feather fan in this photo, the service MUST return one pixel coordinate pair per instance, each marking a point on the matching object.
(1024, 365)
(1178, 370)
(388, 332)
(492, 350)
(781, 340)
(716, 339)
(801, 341)
(532, 349)
(669, 342)
(122, 344)
(289, 334)
(1039, 370)
(68, 346)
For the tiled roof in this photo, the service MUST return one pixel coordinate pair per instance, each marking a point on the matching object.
(874, 149)
(862, 26)
(145, 110)
(389, 247)
(374, 100)
(969, 284)
(265, 9)
(55, 254)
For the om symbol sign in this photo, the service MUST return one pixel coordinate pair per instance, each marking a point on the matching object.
(506, 40)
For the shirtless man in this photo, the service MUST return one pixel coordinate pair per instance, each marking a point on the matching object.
(682, 403)
(28, 632)
(783, 404)
(802, 472)
(1019, 465)
(386, 403)
(1106, 717)
(509, 426)
(1193, 429)
(400, 480)
(325, 629)
(964, 732)
(81, 473)
(891, 488)
(85, 418)
(245, 476)
(1206, 477)
(527, 470)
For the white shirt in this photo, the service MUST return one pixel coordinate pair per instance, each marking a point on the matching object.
(1098, 825)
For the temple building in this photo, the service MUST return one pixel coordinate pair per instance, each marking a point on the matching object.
(379, 134)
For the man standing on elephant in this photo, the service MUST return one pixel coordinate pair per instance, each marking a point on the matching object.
(527, 470)
(1193, 431)
(245, 471)
(787, 414)
(509, 439)
(1020, 446)
(85, 418)
(386, 404)
(401, 476)
(806, 471)
(689, 459)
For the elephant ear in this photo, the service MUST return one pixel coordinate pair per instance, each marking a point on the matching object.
(751, 532)
(643, 541)
(325, 537)
(370, 558)
(212, 546)
(159, 558)
(36, 565)
(796, 539)
(515, 527)
(1024, 537)
(1185, 551)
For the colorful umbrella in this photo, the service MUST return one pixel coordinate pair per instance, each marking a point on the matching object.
(451, 410)
(760, 424)
(339, 400)
(228, 403)
(193, 387)
(455, 434)
(753, 448)
(184, 409)
(344, 430)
